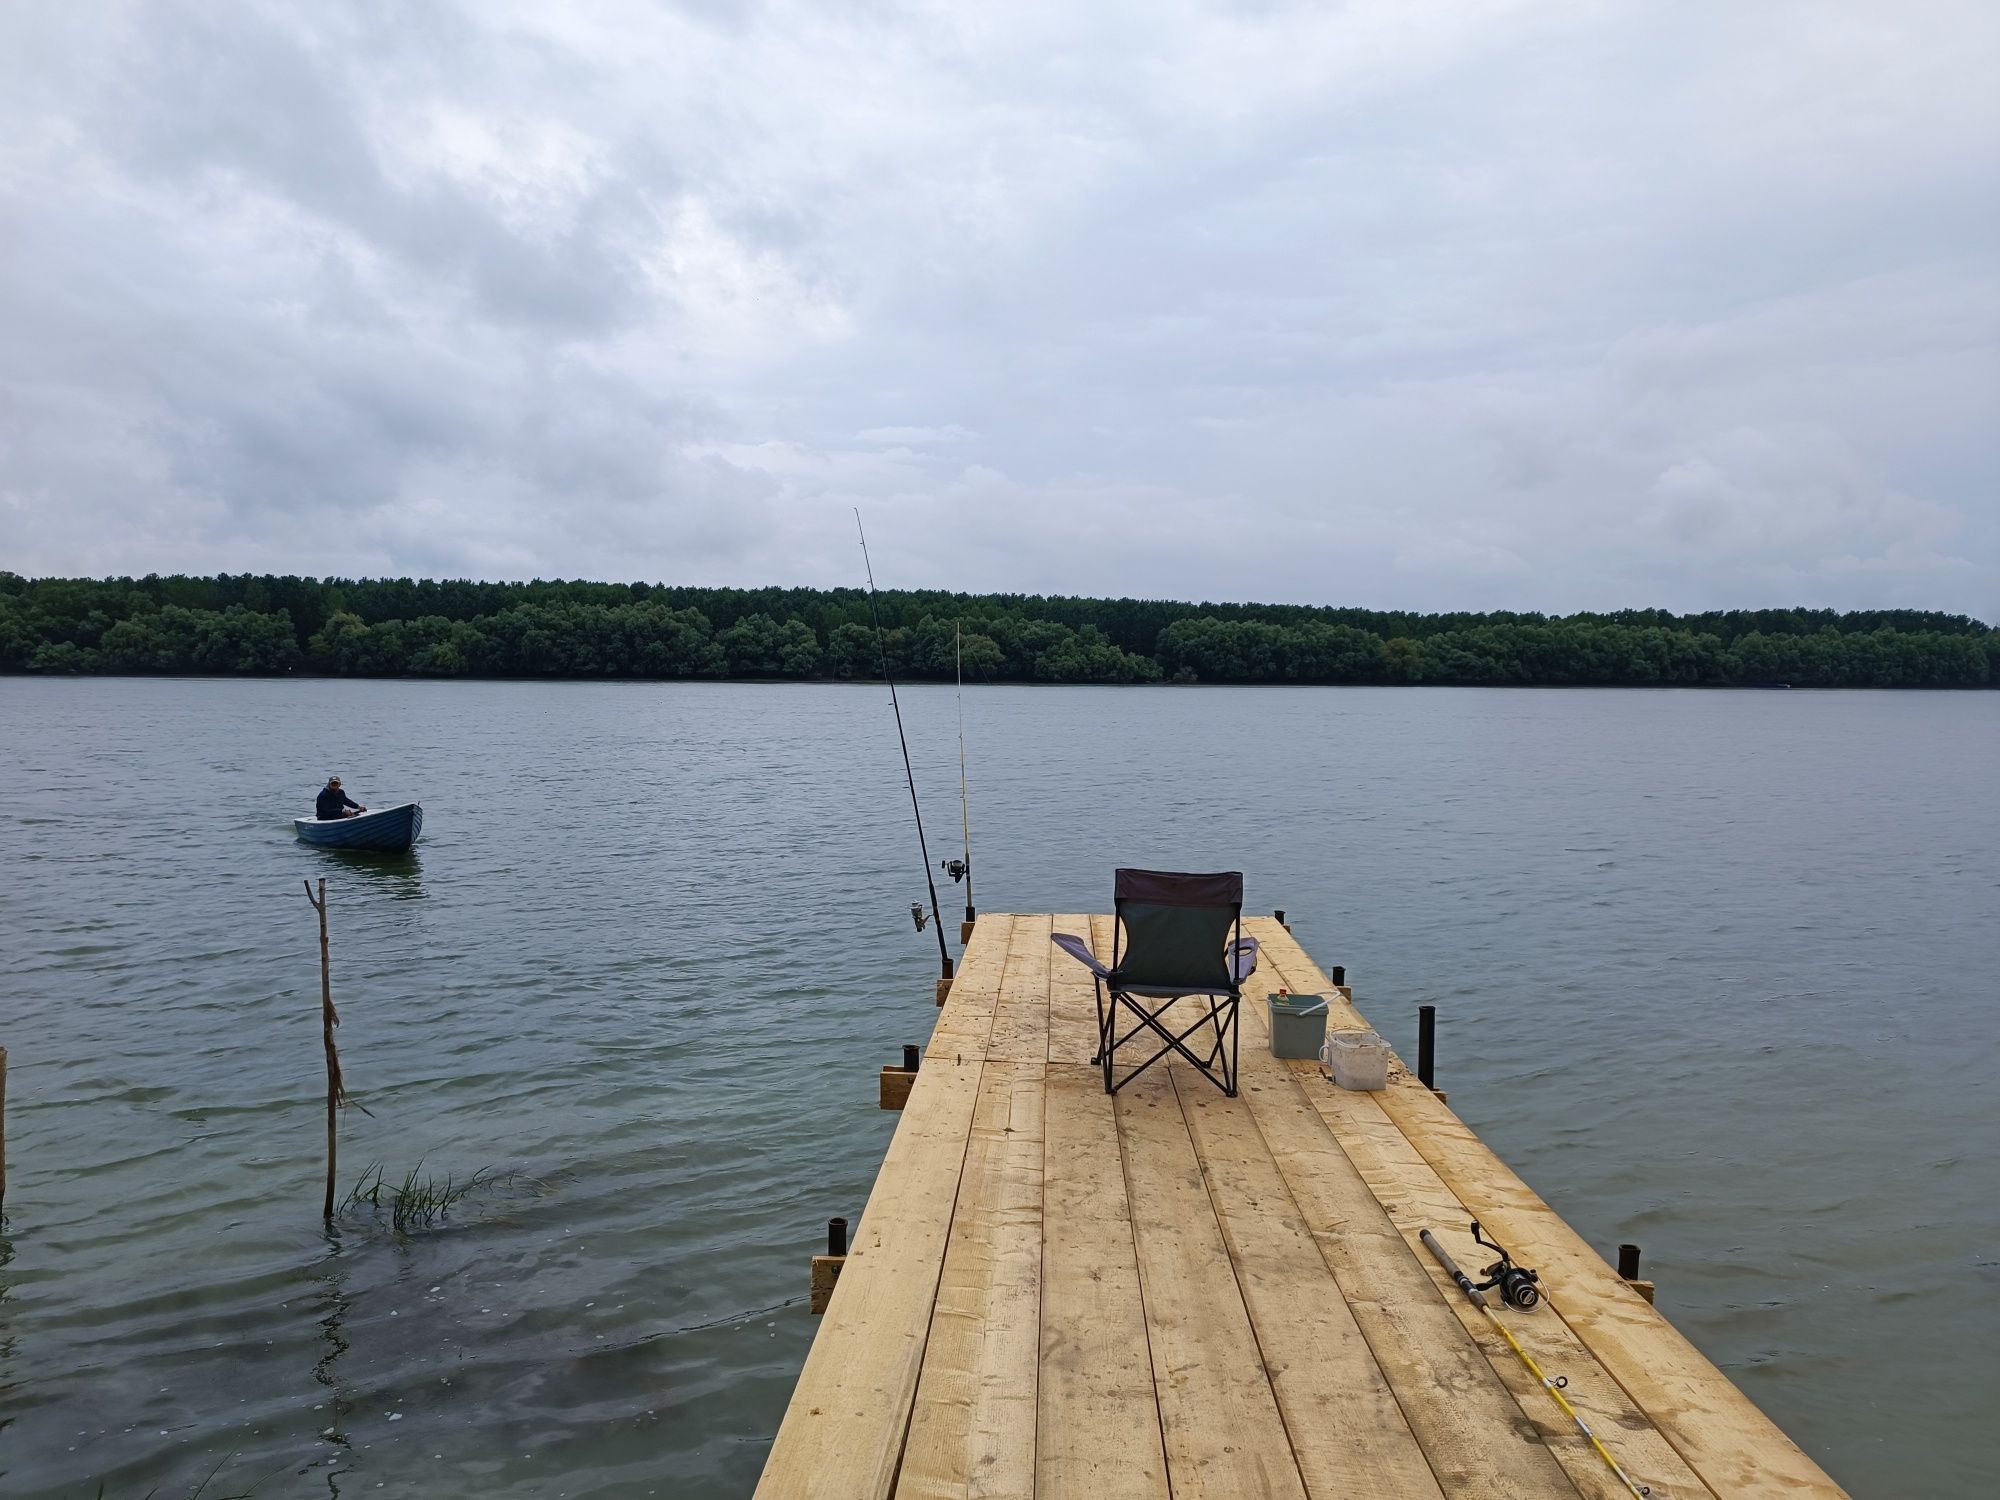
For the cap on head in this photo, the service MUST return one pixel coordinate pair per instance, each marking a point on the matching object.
(333, 781)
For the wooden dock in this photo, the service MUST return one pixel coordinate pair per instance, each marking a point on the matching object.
(1056, 1293)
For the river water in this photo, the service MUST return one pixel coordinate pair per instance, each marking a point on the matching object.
(1714, 973)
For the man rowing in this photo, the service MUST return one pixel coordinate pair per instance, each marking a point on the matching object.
(334, 803)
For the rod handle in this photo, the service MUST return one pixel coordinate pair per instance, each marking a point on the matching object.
(1451, 1267)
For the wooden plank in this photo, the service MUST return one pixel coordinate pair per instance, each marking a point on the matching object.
(1473, 1430)
(1416, 1199)
(1719, 1432)
(1072, 999)
(844, 1427)
(1225, 1439)
(972, 1431)
(1021, 1014)
(1347, 1432)
(1474, 1435)
(965, 1025)
(1097, 1434)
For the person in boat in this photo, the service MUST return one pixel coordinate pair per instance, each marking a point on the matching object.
(334, 803)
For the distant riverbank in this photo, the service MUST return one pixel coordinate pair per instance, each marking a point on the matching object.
(271, 625)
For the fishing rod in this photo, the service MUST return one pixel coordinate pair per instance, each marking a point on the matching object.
(1517, 1288)
(961, 869)
(882, 644)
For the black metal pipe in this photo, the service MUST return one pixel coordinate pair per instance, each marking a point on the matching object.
(909, 1058)
(1280, 915)
(1427, 1016)
(1339, 972)
(836, 1236)
(1628, 1262)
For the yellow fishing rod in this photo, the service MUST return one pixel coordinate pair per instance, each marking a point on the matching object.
(1517, 1287)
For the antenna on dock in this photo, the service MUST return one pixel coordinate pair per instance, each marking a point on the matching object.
(882, 644)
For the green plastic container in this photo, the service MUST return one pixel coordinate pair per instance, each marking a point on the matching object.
(1298, 1025)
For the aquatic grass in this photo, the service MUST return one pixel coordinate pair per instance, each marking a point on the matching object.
(417, 1202)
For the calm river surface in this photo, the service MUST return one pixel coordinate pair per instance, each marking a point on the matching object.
(1715, 972)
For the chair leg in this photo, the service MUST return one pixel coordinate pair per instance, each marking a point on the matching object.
(1219, 1067)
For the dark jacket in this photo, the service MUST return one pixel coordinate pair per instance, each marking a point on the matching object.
(332, 803)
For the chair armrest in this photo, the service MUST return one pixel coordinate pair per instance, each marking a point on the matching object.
(1079, 950)
(1243, 958)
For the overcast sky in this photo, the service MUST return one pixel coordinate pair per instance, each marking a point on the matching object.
(1395, 303)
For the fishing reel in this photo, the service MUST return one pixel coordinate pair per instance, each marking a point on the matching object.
(1516, 1284)
(955, 868)
(919, 915)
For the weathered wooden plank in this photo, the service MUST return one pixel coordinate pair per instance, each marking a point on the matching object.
(1474, 1434)
(1348, 1434)
(844, 1427)
(1072, 999)
(965, 1025)
(1098, 1423)
(1219, 1415)
(1416, 1199)
(972, 1431)
(1021, 1014)
(1719, 1432)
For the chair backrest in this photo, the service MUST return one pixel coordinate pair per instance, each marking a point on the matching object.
(1173, 928)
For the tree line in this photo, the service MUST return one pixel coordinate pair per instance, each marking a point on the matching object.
(399, 627)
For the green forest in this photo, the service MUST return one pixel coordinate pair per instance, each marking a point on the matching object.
(398, 627)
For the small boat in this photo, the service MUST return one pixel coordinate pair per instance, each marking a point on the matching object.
(391, 828)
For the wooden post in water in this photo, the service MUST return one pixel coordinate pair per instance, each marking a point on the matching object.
(336, 1093)
(3, 1132)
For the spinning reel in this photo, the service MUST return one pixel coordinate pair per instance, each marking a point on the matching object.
(955, 868)
(1516, 1284)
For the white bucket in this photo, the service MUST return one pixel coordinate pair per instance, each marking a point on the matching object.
(1355, 1060)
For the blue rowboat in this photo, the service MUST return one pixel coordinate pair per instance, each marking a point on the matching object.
(391, 828)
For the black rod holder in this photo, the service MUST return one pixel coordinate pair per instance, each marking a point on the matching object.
(1339, 973)
(1427, 1017)
(836, 1236)
(1280, 915)
(1628, 1262)
(909, 1058)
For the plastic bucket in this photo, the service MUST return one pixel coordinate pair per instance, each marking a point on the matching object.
(1298, 1025)
(1356, 1060)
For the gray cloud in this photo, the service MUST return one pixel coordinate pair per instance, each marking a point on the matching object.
(1420, 304)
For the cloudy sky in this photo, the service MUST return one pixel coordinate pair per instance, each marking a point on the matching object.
(1405, 303)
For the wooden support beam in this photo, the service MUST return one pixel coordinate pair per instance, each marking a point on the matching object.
(965, 932)
(825, 1273)
(943, 991)
(896, 1084)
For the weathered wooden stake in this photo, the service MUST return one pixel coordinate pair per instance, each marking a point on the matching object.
(336, 1093)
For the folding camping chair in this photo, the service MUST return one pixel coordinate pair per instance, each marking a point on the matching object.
(1174, 936)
